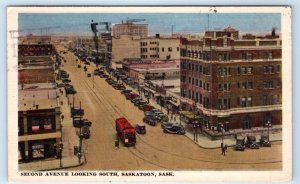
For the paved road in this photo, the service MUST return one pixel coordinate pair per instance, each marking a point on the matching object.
(155, 150)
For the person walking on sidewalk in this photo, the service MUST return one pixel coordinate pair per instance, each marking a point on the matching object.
(62, 117)
(222, 149)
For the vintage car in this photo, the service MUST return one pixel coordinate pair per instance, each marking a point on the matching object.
(125, 91)
(66, 80)
(141, 104)
(264, 141)
(251, 142)
(85, 132)
(150, 120)
(240, 144)
(76, 111)
(147, 108)
(120, 87)
(174, 129)
(136, 99)
(131, 96)
(80, 123)
(140, 129)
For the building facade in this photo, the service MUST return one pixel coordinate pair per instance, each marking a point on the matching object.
(130, 29)
(232, 80)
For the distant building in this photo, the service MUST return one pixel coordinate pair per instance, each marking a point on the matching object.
(147, 48)
(130, 29)
(233, 81)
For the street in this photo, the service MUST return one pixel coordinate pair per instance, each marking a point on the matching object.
(155, 150)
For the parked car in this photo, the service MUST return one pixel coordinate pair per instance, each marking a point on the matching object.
(140, 129)
(126, 91)
(120, 87)
(149, 120)
(85, 132)
(240, 144)
(174, 129)
(78, 66)
(147, 108)
(80, 123)
(136, 99)
(165, 124)
(66, 80)
(70, 89)
(251, 142)
(142, 104)
(112, 82)
(89, 75)
(264, 141)
(76, 111)
(164, 117)
(131, 96)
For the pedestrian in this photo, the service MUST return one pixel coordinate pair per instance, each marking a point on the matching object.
(62, 117)
(117, 143)
(222, 145)
(225, 147)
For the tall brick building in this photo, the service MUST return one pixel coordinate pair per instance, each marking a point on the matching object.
(232, 80)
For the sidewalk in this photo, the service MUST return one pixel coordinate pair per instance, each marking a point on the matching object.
(205, 142)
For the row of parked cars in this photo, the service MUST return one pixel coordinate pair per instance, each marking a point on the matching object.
(153, 116)
(78, 122)
(250, 142)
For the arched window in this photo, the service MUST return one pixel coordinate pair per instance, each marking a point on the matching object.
(247, 122)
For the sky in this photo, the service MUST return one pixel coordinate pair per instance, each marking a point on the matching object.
(157, 22)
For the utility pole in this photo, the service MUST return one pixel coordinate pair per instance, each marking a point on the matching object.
(80, 136)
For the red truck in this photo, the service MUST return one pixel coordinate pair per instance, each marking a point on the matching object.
(125, 131)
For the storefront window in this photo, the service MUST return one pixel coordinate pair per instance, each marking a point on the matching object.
(38, 151)
(41, 124)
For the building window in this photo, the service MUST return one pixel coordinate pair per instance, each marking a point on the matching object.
(196, 68)
(192, 81)
(244, 70)
(200, 83)
(200, 68)
(278, 68)
(200, 98)
(270, 55)
(244, 104)
(207, 86)
(163, 49)
(250, 101)
(244, 56)
(170, 49)
(265, 100)
(220, 103)
(177, 49)
(196, 82)
(220, 87)
(250, 70)
(244, 85)
(271, 69)
(238, 101)
(250, 85)
(265, 69)
(189, 80)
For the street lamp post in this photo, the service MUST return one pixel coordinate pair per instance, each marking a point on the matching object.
(268, 124)
(222, 130)
(93, 80)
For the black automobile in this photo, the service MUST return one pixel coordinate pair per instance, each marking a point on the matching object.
(166, 124)
(76, 111)
(141, 103)
(80, 123)
(70, 89)
(240, 144)
(89, 75)
(140, 129)
(251, 142)
(149, 120)
(66, 80)
(264, 141)
(126, 91)
(78, 66)
(85, 132)
(174, 129)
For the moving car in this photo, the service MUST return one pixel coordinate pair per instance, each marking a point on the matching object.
(174, 129)
(140, 129)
